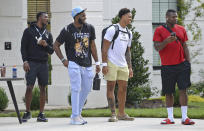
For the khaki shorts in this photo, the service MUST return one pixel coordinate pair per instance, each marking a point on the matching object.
(116, 73)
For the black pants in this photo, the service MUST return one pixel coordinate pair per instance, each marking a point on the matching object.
(172, 74)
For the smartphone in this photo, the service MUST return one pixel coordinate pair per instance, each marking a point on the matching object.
(173, 34)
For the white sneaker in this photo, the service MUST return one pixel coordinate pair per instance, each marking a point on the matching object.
(84, 121)
(77, 121)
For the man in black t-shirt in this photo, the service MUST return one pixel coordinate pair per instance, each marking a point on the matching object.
(79, 46)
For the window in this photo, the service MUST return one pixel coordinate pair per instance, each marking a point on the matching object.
(35, 6)
(159, 8)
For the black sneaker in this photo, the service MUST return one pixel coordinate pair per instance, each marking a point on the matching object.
(41, 118)
(26, 116)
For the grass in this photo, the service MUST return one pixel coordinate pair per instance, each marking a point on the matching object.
(195, 111)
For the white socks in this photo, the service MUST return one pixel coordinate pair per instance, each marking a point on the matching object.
(170, 113)
(184, 112)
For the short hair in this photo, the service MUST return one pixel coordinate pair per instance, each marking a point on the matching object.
(40, 14)
(170, 11)
(123, 11)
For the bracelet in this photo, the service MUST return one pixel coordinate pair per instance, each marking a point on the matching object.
(62, 60)
(104, 64)
(97, 63)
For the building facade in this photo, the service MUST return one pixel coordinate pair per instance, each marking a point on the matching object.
(150, 14)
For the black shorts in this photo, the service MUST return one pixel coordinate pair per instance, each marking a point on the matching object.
(172, 74)
(37, 70)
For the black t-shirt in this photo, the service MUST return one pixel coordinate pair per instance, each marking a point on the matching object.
(78, 43)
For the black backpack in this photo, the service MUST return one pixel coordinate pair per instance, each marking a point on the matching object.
(117, 30)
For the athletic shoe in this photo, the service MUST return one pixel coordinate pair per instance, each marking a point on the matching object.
(167, 121)
(42, 118)
(84, 121)
(188, 122)
(113, 118)
(26, 116)
(126, 118)
(77, 121)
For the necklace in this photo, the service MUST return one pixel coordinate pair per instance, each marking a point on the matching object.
(79, 29)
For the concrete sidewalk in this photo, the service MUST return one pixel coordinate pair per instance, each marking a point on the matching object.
(97, 124)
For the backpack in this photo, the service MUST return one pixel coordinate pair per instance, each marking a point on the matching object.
(117, 30)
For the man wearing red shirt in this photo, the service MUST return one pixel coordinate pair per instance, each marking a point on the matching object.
(176, 65)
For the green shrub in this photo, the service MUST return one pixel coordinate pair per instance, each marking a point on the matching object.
(163, 98)
(139, 93)
(197, 89)
(176, 97)
(35, 103)
(69, 99)
(3, 99)
(193, 98)
(136, 95)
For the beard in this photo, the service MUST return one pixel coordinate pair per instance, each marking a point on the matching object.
(44, 24)
(80, 21)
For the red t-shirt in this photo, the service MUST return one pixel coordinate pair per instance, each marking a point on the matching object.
(172, 53)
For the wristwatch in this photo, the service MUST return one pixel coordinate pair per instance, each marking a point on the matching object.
(62, 60)
(104, 64)
(97, 63)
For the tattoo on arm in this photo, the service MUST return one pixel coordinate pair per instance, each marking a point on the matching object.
(159, 45)
(186, 51)
(111, 104)
(128, 57)
(156, 46)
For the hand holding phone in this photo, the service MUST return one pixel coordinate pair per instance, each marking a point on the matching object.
(173, 34)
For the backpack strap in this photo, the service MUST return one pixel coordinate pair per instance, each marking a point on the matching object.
(115, 35)
(128, 32)
(167, 28)
(117, 30)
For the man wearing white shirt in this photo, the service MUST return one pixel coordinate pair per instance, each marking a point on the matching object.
(117, 66)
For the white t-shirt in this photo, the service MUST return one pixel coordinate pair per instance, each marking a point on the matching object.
(117, 54)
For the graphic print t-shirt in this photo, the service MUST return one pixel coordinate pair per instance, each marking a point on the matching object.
(78, 43)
